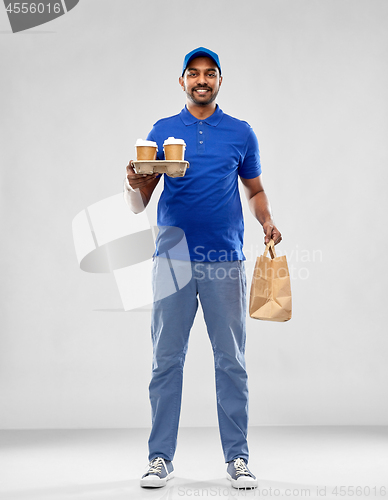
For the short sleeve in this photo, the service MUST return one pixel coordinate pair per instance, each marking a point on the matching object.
(153, 136)
(250, 166)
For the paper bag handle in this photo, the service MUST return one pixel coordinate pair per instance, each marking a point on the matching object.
(271, 247)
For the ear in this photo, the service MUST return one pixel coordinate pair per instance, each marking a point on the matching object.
(220, 80)
(182, 82)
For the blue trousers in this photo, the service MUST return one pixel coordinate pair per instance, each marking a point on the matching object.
(221, 288)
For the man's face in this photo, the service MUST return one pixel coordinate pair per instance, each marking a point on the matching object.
(201, 81)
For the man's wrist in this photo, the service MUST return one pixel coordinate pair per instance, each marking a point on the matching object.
(128, 186)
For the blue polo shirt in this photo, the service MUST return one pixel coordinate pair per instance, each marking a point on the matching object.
(205, 203)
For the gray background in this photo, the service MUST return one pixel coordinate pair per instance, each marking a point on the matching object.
(310, 77)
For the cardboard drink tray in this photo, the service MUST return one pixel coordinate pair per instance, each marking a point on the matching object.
(172, 168)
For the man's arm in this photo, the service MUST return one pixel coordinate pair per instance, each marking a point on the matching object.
(138, 189)
(259, 205)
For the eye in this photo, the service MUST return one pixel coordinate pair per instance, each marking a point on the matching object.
(211, 75)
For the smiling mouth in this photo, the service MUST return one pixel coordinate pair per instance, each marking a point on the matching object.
(202, 91)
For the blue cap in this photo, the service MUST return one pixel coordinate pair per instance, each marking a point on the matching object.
(200, 52)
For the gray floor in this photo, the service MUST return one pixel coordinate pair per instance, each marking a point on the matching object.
(293, 462)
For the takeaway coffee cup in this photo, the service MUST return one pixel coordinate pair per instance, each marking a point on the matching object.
(146, 150)
(174, 149)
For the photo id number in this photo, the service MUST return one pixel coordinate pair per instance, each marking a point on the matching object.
(32, 8)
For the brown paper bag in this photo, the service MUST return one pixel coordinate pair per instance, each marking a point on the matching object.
(270, 297)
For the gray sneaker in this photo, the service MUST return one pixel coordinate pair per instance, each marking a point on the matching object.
(239, 474)
(159, 471)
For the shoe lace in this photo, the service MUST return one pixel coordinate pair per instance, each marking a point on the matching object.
(241, 468)
(155, 466)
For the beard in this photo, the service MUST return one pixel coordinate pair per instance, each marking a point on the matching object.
(202, 102)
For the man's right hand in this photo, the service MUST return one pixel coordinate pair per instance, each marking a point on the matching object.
(139, 180)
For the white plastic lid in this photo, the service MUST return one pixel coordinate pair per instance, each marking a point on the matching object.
(172, 140)
(141, 142)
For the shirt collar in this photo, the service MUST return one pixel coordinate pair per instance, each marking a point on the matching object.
(213, 120)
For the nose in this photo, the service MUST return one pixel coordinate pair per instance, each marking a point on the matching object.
(201, 80)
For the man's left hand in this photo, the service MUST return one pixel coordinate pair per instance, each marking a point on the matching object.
(271, 233)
